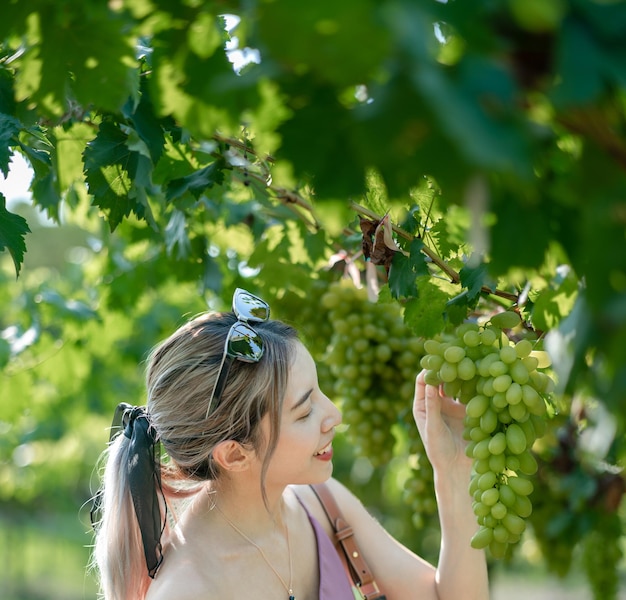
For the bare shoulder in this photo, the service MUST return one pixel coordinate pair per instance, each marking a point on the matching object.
(179, 578)
(176, 584)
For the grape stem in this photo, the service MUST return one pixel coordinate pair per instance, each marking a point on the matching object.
(439, 262)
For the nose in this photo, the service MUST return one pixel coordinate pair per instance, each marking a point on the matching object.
(333, 415)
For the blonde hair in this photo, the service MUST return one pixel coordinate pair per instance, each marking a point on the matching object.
(180, 376)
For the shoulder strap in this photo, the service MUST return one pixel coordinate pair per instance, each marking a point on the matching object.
(359, 570)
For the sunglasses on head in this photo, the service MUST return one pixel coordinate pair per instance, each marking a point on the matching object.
(242, 341)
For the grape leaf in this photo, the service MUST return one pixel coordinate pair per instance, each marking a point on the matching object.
(13, 228)
(176, 234)
(402, 277)
(513, 218)
(316, 244)
(9, 128)
(197, 182)
(424, 313)
(474, 278)
(44, 183)
(87, 49)
(146, 123)
(7, 95)
(110, 168)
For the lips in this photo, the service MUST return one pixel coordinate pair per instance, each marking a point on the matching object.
(328, 448)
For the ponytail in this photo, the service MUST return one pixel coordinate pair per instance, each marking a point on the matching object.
(127, 549)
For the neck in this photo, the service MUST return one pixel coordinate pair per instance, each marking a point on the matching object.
(246, 507)
(273, 525)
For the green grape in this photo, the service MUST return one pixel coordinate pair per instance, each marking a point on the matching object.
(499, 511)
(508, 355)
(489, 421)
(515, 439)
(505, 320)
(477, 406)
(497, 443)
(519, 372)
(466, 369)
(514, 393)
(454, 354)
(501, 383)
(486, 481)
(523, 348)
(520, 485)
(471, 338)
(527, 463)
(432, 347)
(482, 538)
(447, 372)
(488, 337)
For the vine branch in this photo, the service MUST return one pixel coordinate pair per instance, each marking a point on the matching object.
(437, 260)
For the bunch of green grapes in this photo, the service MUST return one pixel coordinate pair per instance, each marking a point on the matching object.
(419, 488)
(601, 555)
(373, 357)
(505, 396)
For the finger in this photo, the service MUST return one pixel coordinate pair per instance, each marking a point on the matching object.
(419, 382)
(419, 400)
(434, 422)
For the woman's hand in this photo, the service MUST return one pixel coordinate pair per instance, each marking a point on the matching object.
(439, 420)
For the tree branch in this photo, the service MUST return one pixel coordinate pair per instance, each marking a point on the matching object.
(437, 260)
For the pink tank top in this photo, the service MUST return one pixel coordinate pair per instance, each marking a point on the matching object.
(334, 583)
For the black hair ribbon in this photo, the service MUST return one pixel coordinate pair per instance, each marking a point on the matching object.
(144, 478)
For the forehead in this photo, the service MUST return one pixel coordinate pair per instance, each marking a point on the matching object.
(302, 374)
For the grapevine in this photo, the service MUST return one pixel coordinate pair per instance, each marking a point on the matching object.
(506, 395)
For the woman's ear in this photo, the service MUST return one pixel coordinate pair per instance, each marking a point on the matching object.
(232, 456)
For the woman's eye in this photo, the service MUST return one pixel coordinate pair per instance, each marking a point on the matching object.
(306, 416)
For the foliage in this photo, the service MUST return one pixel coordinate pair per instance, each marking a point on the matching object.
(193, 146)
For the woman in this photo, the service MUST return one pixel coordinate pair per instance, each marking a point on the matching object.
(233, 398)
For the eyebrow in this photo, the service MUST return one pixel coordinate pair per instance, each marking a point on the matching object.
(302, 400)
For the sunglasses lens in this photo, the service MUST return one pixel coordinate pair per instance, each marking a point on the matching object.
(250, 308)
(244, 343)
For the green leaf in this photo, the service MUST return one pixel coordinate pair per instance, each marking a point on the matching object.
(13, 229)
(176, 234)
(401, 277)
(490, 139)
(550, 305)
(316, 244)
(87, 48)
(7, 94)
(145, 122)
(68, 308)
(330, 163)
(197, 182)
(9, 129)
(320, 32)
(110, 168)
(475, 278)
(521, 234)
(579, 65)
(44, 183)
(457, 308)
(405, 270)
(424, 313)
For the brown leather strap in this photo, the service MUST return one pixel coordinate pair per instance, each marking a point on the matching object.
(359, 570)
